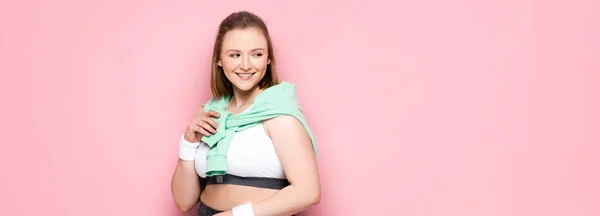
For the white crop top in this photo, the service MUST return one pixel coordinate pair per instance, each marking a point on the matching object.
(250, 154)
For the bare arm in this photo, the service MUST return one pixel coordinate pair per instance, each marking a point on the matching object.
(295, 151)
(185, 185)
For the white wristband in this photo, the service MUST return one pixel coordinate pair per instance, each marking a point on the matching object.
(187, 150)
(243, 210)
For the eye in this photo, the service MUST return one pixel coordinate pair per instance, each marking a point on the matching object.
(234, 55)
(258, 54)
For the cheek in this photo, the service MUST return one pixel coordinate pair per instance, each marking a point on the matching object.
(261, 64)
(228, 66)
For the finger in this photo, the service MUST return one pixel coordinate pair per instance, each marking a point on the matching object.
(210, 121)
(194, 127)
(213, 113)
(203, 132)
(206, 127)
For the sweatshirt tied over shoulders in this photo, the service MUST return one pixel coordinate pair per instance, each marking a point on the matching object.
(277, 100)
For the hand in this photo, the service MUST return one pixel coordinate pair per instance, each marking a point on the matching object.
(201, 125)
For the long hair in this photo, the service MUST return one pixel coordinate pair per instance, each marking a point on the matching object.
(219, 84)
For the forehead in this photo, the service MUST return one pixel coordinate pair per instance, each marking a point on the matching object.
(244, 40)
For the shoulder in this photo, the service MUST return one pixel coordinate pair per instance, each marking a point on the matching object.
(212, 100)
(282, 94)
(282, 120)
(284, 124)
(215, 103)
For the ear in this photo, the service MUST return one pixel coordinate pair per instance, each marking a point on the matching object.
(219, 63)
(268, 61)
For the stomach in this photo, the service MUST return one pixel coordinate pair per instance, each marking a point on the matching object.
(224, 197)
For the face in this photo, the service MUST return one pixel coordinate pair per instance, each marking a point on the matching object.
(244, 58)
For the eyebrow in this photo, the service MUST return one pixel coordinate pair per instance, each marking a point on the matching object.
(255, 49)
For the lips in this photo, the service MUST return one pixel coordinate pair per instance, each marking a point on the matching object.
(245, 76)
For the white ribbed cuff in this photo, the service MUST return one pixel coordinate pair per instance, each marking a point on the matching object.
(243, 210)
(187, 150)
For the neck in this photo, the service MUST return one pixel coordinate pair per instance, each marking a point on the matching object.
(242, 99)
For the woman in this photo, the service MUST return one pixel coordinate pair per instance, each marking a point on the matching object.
(249, 151)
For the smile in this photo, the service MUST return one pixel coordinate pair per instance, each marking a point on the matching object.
(245, 76)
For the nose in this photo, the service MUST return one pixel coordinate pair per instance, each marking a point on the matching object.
(246, 64)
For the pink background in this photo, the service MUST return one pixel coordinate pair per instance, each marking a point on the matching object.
(454, 108)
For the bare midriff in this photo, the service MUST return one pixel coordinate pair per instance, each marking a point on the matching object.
(224, 197)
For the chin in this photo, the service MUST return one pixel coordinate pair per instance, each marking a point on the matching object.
(245, 86)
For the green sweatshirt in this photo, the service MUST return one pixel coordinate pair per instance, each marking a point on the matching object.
(274, 101)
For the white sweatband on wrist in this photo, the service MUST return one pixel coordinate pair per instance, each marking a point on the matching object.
(187, 150)
(243, 210)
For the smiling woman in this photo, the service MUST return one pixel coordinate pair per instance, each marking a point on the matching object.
(245, 59)
(249, 151)
(243, 46)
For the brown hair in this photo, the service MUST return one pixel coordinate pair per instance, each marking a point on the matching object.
(219, 84)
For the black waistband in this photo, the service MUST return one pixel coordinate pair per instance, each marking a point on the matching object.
(261, 182)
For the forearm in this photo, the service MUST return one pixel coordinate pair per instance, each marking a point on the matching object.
(288, 201)
(185, 185)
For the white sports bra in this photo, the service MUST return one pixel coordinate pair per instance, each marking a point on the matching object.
(250, 154)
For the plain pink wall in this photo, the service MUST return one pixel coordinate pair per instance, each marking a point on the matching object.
(454, 108)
